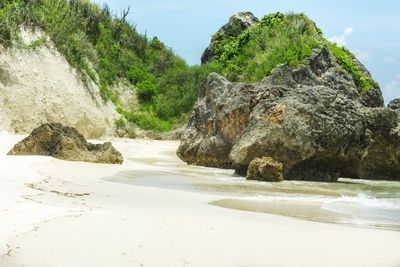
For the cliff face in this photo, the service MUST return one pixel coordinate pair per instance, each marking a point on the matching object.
(313, 119)
(37, 85)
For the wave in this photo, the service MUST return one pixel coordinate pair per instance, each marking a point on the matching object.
(360, 199)
(368, 201)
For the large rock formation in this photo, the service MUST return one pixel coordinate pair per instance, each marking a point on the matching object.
(65, 143)
(313, 119)
(236, 25)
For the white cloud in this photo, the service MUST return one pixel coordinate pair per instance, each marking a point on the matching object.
(392, 89)
(341, 39)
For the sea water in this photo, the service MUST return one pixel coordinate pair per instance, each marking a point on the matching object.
(361, 203)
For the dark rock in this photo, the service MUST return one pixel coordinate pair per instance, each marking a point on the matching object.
(265, 169)
(373, 98)
(66, 143)
(313, 119)
(394, 104)
(236, 25)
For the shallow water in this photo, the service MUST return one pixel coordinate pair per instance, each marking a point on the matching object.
(352, 202)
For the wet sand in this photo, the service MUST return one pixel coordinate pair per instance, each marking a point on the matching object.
(302, 200)
(58, 213)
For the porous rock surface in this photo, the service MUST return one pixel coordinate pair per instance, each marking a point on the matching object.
(65, 143)
(313, 119)
(394, 104)
(265, 169)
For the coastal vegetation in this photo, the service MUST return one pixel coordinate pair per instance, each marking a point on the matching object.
(252, 54)
(106, 47)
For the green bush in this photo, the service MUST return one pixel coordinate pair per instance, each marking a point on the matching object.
(148, 121)
(146, 91)
(289, 39)
(276, 39)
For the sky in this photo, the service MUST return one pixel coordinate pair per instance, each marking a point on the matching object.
(369, 28)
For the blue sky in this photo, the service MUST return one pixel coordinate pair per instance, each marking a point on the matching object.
(370, 28)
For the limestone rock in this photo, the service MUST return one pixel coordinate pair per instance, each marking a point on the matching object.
(65, 143)
(313, 119)
(265, 169)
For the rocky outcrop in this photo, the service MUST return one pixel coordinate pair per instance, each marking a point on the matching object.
(394, 104)
(65, 143)
(237, 24)
(312, 119)
(265, 169)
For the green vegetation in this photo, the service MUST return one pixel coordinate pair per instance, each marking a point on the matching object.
(108, 49)
(251, 55)
(276, 39)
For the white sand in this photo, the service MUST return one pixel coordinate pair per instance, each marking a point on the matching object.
(126, 225)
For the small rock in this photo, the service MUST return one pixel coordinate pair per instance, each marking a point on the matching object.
(56, 140)
(265, 169)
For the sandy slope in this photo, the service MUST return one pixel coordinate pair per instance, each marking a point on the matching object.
(57, 213)
(38, 86)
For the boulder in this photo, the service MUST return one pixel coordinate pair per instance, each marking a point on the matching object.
(56, 140)
(313, 119)
(237, 24)
(265, 169)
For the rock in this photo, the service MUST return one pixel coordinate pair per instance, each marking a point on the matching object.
(373, 98)
(394, 104)
(265, 169)
(237, 24)
(56, 140)
(382, 159)
(313, 119)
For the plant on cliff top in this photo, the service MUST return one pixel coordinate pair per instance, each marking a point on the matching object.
(278, 39)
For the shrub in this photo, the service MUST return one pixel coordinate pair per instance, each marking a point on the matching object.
(279, 39)
(276, 39)
(146, 91)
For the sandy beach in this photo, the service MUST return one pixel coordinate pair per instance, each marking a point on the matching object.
(55, 213)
